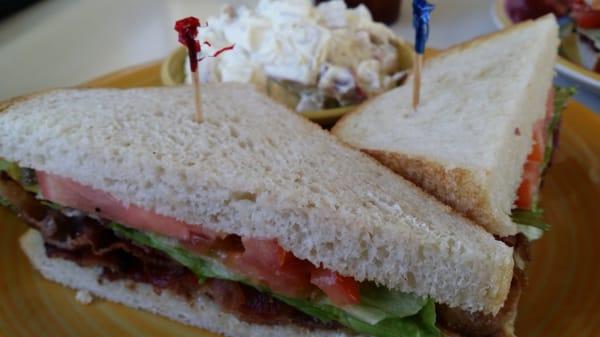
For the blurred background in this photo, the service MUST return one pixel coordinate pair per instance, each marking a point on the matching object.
(57, 43)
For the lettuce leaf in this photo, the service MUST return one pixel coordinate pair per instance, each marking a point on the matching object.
(420, 325)
(533, 218)
(24, 176)
(11, 169)
(561, 98)
(4, 202)
(379, 303)
(381, 313)
(204, 267)
(393, 303)
(531, 233)
(530, 223)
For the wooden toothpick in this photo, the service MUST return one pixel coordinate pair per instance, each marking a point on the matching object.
(418, 65)
(197, 97)
(188, 32)
(421, 15)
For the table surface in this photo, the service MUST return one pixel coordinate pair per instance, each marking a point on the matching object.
(59, 43)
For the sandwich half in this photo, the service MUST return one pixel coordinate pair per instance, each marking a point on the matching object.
(484, 131)
(255, 222)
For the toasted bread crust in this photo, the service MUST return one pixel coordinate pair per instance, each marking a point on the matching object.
(11, 102)
(5, 105)
(455, 187)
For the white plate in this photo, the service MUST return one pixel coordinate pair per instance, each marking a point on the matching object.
(587, 78)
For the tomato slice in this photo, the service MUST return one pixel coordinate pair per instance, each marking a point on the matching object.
(281, 271)
(529, 185)
(266, 253)
(532, 169)
(69, 193)
(207, 243)
(341, 290)
(538, 150)
(266, 262)
(585, 16)
(263, 261)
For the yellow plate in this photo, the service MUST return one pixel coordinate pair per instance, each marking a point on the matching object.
(562, 300)
(570, 69)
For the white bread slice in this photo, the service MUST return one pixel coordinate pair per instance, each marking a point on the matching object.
(202, 313)
(256, 169)
(468, 140)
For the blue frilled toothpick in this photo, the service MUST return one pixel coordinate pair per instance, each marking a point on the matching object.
(421, 15)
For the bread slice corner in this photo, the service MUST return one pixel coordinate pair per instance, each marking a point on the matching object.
(467, 141)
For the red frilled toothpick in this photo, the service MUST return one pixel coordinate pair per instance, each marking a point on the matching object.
(188, 32)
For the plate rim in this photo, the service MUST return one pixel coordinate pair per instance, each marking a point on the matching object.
(566, 67)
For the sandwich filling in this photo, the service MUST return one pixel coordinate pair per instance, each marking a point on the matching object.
(254, 279)
(527, 214)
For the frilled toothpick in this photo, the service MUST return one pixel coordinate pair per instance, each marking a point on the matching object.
(188, 31)
(421, 15)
